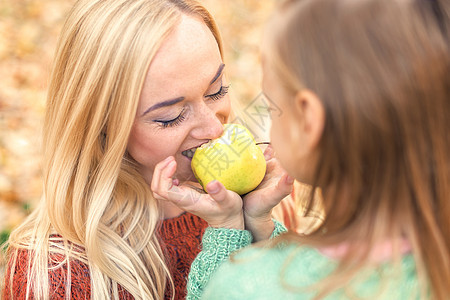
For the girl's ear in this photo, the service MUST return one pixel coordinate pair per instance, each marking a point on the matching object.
(311, 111)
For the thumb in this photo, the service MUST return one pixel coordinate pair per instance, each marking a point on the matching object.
(217, 191)
(269, 153)
(285, 184)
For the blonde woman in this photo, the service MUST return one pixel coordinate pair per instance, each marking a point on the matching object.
(364, 87)
(134, 82)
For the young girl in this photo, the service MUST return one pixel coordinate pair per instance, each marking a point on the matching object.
(134, 81)
(364, 88)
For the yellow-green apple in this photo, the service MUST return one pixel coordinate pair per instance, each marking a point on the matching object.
(234, 159)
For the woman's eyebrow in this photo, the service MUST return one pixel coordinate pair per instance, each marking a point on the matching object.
(179, 99)
(163, 104)
(219, 72)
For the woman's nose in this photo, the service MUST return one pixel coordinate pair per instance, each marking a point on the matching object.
(209, 125)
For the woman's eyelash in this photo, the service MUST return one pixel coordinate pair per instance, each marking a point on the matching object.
(220, 94)
(181, 117)
(174, 122)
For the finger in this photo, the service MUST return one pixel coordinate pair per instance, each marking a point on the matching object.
(279, 190)
(164, 182)
(183, 196)
(166, 175)
(285, 184)
(272, 165)
(217, 191)
(268, 153)
(211, 207)
(157, 172)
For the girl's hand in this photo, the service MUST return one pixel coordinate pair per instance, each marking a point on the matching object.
(258, 204)
(220, 207)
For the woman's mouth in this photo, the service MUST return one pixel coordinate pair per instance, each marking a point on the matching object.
(189, 153)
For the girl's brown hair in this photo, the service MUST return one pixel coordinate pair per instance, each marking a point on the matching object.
(381, 69)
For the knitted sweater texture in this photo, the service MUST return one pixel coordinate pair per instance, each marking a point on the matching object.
(180, 238)
(286, 271)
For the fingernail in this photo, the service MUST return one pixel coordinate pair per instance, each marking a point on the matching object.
(213, 187)
(268, 153)
(164, 163)
(289, 179)
(175, 182)
(171, 164)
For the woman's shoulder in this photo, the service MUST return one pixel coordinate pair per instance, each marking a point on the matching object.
(21, 260)
(19, 266)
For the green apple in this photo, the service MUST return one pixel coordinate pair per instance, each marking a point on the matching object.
(234, 159)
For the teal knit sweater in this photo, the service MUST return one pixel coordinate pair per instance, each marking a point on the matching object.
(285, 272)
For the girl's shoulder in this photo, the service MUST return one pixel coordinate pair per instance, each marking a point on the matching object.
(265, 272)
(286, 258)
(287, 270)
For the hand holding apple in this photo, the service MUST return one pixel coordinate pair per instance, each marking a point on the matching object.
(220, 207)
(233, 159)
(258, 204)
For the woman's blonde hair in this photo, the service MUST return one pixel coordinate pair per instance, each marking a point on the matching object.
(381, 69)
(96, 207)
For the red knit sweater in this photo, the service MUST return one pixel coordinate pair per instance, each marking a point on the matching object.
(180, 238)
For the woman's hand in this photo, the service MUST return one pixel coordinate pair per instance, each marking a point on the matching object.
(220, 207)
(258, 204)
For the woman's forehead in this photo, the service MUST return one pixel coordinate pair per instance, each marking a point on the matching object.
(188, 57)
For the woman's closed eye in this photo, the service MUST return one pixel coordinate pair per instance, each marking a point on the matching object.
(182, 116)
(220, 94)
(172, 122)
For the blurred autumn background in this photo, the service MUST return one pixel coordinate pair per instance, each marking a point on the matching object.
(28, 33)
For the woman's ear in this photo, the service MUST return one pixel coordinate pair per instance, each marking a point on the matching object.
(311, 111)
